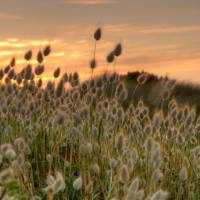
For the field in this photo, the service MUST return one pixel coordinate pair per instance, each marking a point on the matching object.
(111, 137)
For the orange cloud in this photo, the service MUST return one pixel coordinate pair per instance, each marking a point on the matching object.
(10, 53)
(9, 16)
(130, 29)
(17, 43)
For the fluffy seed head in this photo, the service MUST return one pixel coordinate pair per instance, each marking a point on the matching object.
(110, 57)
(5, 175)
(13, 62)
(124, 174)
(118, 50)
(28, 55)
(160, 195)
(183, 174)
(56, 73)
(20, 144)
(59, 184)
(47, 50)
(95, 169)
(157, 175)
(10, 154)
(39, 69)
(40, 57)
(93, 64)
(97, 34)
(134, 185)
(77, 184)
(142, 78)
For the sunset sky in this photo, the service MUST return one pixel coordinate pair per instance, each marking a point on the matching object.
(158, 36)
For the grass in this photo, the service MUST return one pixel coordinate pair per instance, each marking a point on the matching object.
(112, 137)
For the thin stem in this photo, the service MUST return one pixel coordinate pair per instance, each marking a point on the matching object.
(134, 91)
(95, 44)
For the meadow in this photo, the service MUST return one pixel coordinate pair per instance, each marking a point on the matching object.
(108, 138)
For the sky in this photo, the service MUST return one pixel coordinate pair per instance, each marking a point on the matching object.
(158, 36)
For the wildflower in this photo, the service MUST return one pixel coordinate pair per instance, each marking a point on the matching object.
(149, 144)
(40, 57)
(134, 192)
(180, 139)
(89, 187)
(118, 50)
(28, 72)
(193, 140)
(39, 69)
(10, 154)
(160, 195)
(11, 74)
(183, 174)
(7, 69)
(138, 195)
(156, 157)
(142, 78)
(124, 174)
(113, 163)
(19, 79)
(59, 183)
(84, 87)
(56, 73)
(110, 57)
(148, 130)
(47, 50)
(120, 143)
(65, 77)
(55, 184)
(121, 92)
(13, 62)
(86, 149)
(60, 88)
(5, 147)
(5, 175)
(77, 184)
(134, 155)
(39, 83)
(18, 163)
(28, 55)
(20, 144)
(93, 64)
(157, 175)
(95, 169)
(97, 34)
(134, 185)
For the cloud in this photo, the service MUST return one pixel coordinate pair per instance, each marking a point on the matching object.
(9, 16)
(90, 2)
(145, 30)
(17, 43)
(178, 29)
(10, 53)
(162, 58)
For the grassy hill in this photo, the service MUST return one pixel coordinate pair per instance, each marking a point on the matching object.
(151, 91)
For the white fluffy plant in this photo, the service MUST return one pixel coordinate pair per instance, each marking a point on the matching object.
(134, 192)
(55, 184)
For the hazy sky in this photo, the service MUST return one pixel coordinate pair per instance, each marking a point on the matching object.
(159, 36)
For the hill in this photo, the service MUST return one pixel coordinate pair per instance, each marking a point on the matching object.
(152, 91)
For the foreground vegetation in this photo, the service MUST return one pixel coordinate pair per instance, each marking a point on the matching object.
(91, 141)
